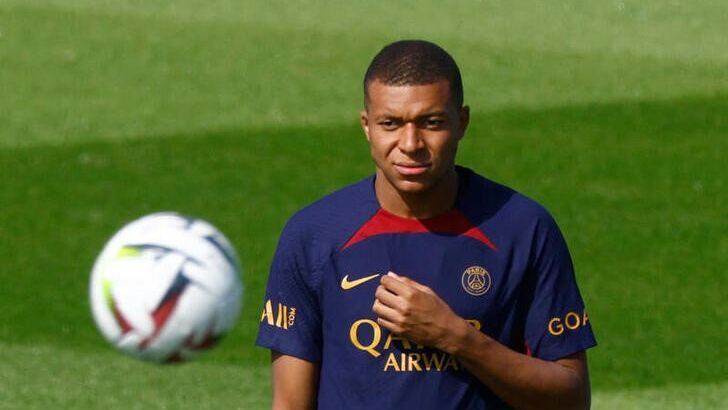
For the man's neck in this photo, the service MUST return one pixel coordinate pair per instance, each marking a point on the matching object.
(437, 200)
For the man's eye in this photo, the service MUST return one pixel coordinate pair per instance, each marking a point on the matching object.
(434, 123)
(388, 124)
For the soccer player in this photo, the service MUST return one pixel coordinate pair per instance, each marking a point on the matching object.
(426, 285)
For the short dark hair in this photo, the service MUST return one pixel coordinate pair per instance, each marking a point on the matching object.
(414, 62)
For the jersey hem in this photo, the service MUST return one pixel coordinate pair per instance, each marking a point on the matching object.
(567, 352)
(288, 351)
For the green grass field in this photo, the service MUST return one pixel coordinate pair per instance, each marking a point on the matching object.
(612, 114)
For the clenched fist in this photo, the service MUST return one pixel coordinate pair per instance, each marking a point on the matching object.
(412, 310)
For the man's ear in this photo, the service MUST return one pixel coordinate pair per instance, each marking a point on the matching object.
(364, 119)
(464, 119)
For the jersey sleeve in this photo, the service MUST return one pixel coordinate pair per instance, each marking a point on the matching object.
(290, 321)
(557, 323)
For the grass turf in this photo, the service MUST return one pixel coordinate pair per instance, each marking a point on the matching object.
(118, 109)
(82, 70)
(51, 376)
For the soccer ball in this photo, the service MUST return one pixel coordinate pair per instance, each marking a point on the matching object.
(166, 287)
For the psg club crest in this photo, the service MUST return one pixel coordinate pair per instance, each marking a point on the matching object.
(476, 280)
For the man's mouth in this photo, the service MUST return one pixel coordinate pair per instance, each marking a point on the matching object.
(411, 169)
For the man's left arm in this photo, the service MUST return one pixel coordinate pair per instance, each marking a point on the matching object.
(412, 310)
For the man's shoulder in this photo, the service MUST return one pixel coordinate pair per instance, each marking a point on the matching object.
(485, 199)
(331, 217)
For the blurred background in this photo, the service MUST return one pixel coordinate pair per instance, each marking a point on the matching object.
(613, 114)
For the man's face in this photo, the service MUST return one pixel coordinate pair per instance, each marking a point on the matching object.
(413, 132)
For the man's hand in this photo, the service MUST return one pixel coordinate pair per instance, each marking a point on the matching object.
(414, 311)
(411, 310)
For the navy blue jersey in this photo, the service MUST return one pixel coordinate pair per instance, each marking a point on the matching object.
(497, 259)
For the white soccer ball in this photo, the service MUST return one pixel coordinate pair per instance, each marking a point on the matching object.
(166, 287)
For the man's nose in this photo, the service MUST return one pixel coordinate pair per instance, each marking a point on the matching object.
(410, 141)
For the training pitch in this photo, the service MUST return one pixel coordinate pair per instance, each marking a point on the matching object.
(612, 114)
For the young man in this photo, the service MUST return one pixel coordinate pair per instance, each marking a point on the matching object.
(425, 286)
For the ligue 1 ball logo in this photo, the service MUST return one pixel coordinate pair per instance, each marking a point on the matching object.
(476, 280)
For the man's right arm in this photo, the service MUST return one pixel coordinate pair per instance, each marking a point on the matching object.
(295, 382)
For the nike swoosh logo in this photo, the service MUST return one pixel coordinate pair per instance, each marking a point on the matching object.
(346, 284)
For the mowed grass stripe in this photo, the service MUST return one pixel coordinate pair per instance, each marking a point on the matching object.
(39, 377)
(78, 76)
(689, 32)
(638, 190)
(690, 397)
(62, 203)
